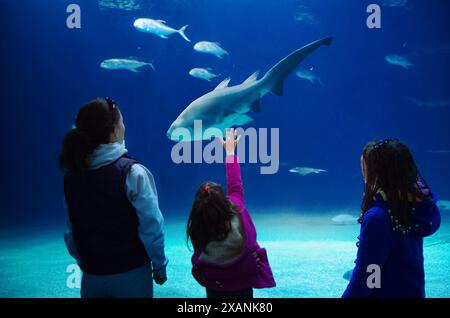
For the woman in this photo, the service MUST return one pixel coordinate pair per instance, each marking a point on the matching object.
(398, 211)
(115, 227)
(227, 259)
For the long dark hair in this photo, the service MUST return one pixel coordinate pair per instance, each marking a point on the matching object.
(210, 217)
(93, 126)
(391, 168)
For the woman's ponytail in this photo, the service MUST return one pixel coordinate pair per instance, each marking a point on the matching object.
(77, 146)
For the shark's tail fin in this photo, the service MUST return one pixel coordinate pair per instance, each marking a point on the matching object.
(274, 79)
(182, 30)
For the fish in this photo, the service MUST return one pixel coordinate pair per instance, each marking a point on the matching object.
(344, 219)
(422, 103)
(444, 205)
(442, 152)
(308, 75)
(226, 106)
(395, 3)
(127, 5)
(203, 73)
(124, 64)
(304, 171)
(213, 48)
(399, 61)
(348, 275)
(159, 28)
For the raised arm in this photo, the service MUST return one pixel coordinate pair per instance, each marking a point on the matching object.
(234, 181)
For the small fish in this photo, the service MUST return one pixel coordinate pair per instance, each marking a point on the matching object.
(309, 76)
(344, 219)
(203, 73)
(444, 205)
(303, 15)
(395, 3)
(159, 28)
(348, 275)
(303, 171)
(213, 48)
(422, 103)
(124, 64)
(400, 61)
(127, 5)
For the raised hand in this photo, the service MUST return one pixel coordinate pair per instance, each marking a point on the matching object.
(231, 141)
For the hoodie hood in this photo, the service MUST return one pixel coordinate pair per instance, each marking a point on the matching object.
(106, 154)
(425, 217)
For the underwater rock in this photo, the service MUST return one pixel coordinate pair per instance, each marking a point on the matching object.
(348, 275)
(344, 219)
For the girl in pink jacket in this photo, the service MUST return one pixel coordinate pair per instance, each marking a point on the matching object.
(227, 259)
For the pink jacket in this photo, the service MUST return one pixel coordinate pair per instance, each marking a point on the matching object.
(245, 272)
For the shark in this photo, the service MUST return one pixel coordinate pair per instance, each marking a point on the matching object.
(227, 106)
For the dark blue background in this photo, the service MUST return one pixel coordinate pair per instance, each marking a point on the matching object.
(49, 71)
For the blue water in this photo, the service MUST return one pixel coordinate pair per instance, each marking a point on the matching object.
(48, 71)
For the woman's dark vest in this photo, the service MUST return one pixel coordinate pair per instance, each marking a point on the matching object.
(104, 222)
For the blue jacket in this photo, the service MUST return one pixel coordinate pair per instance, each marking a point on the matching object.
(400, 257)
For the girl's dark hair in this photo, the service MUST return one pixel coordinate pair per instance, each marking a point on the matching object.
(390, 167)
(210, 216)
(93, 126)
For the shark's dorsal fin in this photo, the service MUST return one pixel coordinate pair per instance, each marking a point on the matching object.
(223, 84)
(161, 21)
(251, 78)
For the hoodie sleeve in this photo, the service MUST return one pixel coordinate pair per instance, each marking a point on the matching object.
(234, 180)
(141, 191)
(375, 242)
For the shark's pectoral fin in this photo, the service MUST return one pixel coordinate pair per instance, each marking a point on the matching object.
(234, 119)
(163, 36)
(223, 84)
(256, 106)
(134, 70)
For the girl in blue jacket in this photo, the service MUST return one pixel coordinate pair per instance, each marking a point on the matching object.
(398, 211)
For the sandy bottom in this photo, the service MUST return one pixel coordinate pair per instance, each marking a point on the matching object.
(308, 255)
